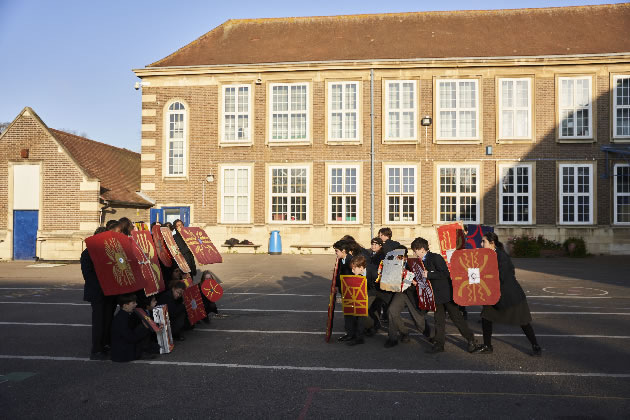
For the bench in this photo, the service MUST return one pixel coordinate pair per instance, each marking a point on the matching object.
(299, 247)
(242, 246)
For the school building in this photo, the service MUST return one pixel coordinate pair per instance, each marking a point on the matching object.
(323, 126)
(57, 188)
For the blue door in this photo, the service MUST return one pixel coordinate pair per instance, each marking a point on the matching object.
(156, 215)
(24, 234)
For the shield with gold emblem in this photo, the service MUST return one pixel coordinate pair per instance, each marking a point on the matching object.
(451, 237)
(212, 290)
(117, 269)
(154, 280)
(160, 246)
(194, 305)
(354, 296)
(475, 277)
(174, 249)
(200, 245)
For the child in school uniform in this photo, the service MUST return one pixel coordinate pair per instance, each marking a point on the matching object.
(127, 342)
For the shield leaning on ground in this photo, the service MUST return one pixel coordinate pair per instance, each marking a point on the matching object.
(117, 269)
(154, 280)
(160, 247)
(174, 249)
(200, 245)
(354, 295)
(475, 277)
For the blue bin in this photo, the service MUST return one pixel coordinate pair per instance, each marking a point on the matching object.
(275, 243)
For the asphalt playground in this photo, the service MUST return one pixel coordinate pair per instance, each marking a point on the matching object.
(268, 359)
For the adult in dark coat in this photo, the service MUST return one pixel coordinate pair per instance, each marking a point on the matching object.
(436, 271)
(183, 248)
(512, 307)
(103, 307)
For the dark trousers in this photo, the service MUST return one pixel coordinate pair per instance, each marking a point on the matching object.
(354, 325)
(456, 317)
(102, 315)
(396, 324)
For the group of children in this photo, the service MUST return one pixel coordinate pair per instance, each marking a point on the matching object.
(124, 337)
(385, 307)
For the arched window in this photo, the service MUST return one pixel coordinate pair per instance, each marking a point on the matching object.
(176, 139)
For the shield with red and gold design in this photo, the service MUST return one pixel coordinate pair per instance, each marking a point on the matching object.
(160, 247)
(174, 249)
(200, 245)
(331, 301)
(426, 298)
(194, 305)
(354, 296)
(155, 282)
(451, 238)
(116, 268)
(141, 226)
(212, 290)
(187, 279)
(475, 277)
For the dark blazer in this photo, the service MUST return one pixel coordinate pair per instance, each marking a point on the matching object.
(376, 258)
(371, 274)
(344, 269)
(124, 338)
(440, 278)
(186, 252)
(176, 307)
(511, 292)
(389, 245)
(92, 291)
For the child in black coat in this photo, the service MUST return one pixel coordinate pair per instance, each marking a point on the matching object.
(127, 342)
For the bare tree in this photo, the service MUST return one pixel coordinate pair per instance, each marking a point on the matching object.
(3, 126)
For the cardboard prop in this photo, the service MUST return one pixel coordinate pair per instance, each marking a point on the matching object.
(146, 320)
(212, 290)
(391, 273)
(160, 246)
(194, 305)
(475, 277)
(354, 295)
(174, 249)
(474, 235)
(117, 269)
(164, 336)
(145, 242)
(426, 298)
(451, 238)
(331, 301)
(200, 245)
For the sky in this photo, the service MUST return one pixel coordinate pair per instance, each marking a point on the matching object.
(72, 61)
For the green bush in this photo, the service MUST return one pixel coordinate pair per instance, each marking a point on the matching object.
(525, 247)
(575, 247)
(544, 243)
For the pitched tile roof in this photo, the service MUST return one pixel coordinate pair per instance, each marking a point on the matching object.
(117, 169)
(598, 29)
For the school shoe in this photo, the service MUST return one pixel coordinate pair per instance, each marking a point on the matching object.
(435, 349)
(355, 342)
(483, 349)
(536, 350)
(346, 337)
(390, 343)
(472, 345)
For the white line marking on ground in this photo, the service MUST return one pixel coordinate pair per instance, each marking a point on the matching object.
(579, 293)
(45, 324)
(329, 369)
(39, 288)
(570, 297)
(47, 303)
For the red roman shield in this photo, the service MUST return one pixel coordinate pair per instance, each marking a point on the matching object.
(331, 301)
(354, 295)
(155, 283)
(146, 319)
(451, 238)
(160, 246)
(475, 276)
(116, 268)
(426, 299)
(194, 305)
(201, 246)
(212, 290)
(174, 249)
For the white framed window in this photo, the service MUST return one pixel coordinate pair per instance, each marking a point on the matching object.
(576, 193)
(515, 108)
(622, 194)
(576, 109)
(289, 111)
(235, 194)
(400, 193)
(400, 109)
(515, 194)
(343, 193)
(457, 109)
(621, 107)
(176, 135)
(236, 113)
(458, 193)
(289, 194)
(343, 110)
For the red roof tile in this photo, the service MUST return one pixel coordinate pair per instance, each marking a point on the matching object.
(117, 169)
(599, 29)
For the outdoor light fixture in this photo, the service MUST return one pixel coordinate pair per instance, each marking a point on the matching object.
(210, 178)
(488, 150)
(426, 121)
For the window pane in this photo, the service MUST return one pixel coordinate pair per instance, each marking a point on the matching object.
(335, 97)
(351, 125)
(566, 93)
(408, 94)
(447, 180)
(243, 181)
(447, 94)
(448, 124)
(394, 125)
(229, 181)
(351, 209)
(280, 98)
(279, 181)
(298, 181)
(351, 180)
(522, 123)
(394, 209)
(336, 214)
(230, 99)
(448, 208)
(467, 94)
(230, 127)
(508, 208)
(393, 184)
(507, 92)
(351, 96)
(243, 99)
(522, 93)
(507, 124)
(394, 95)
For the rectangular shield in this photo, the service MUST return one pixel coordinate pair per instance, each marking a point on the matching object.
(354, 295)
(474, 234)
(475, 277)
(160, 246)
(147, 257)
(426, 299)
(200, 245)
(194, 305)
(174, 249)
(165, 336)
(391, 275)
(451, 238)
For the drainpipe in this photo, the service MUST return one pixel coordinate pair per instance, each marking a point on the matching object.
(371, 153)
